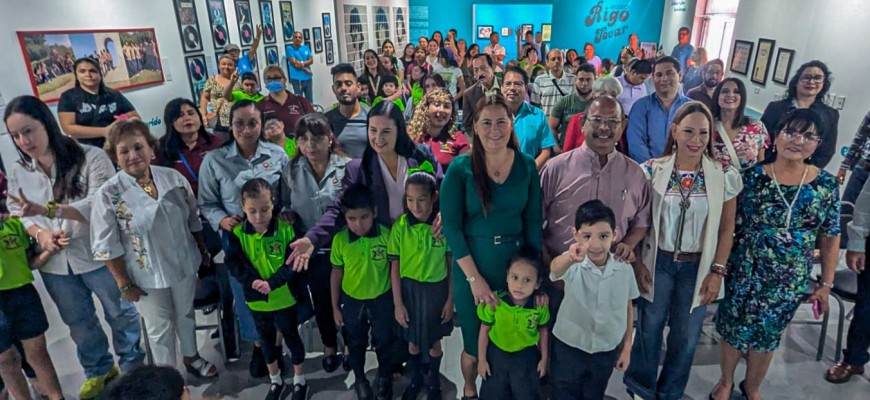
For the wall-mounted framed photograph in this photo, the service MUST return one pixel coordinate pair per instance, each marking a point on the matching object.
(318, 39)
(327, 25)
(245, 23)
(525, 28)
(740, 56)
(762, 61)
(546, 32)
(287, 27)
(784, 58)
(188, 26)
(267, 21)
(217, 15)
(483, 31)
(330, 53)
(505, 31)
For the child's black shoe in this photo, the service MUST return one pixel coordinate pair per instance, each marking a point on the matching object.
(363, 389)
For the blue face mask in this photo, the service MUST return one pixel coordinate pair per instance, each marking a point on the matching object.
(274, 86)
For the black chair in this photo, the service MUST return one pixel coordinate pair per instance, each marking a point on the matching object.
(211, 295)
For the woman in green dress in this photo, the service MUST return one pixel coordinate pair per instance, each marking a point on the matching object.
(490, 206)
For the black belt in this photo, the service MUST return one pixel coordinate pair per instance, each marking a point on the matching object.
(682, 257)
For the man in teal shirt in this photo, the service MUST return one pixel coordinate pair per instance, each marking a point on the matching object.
(530, 123)
(298, 60)
(683, 50)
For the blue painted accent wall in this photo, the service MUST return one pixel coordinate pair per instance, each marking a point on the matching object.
(511, 16)
(575, 22)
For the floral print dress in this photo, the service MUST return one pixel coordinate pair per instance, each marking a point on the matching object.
(770, 265)
(750, 139)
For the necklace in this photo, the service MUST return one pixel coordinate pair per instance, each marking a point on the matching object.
(782, 196)
(496, 171)
(685, 203)
(148, 187)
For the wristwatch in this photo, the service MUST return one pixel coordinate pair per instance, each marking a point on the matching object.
(471, 279)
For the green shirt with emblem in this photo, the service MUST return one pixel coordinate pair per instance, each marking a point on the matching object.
(14, 267)
(514, 327)
(266, 253)
(421, 256)
(364, 262)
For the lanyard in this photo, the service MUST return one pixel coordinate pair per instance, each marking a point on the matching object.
(187, 165)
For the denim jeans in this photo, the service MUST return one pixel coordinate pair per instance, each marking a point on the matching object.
(72, 294)
(858, 340)
(673, 294)
(302, 88)
(247, 329)
(855, 184)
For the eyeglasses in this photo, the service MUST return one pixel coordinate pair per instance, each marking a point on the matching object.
(812, 78)
(274, 78)
(611, 123)
(252, 124)
(808, 137)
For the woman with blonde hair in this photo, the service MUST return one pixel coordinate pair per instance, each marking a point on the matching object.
(434, 125)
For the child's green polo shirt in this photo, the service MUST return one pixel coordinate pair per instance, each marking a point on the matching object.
(421, 256)
(398, 102)
(364, 261)
(514, 327)
(267, 253)
(242, 95)
(14, 267)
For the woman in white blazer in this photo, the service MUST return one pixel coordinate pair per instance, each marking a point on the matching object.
(683, 255)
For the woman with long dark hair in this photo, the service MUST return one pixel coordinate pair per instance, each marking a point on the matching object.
(737, 140)
(372, 74)
(407, 58)
(51, 188)
(385, 163)
(186, 140)
(807, 89)
(86, 110)
(491, 207)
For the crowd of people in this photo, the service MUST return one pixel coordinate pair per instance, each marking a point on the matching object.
(563, 213)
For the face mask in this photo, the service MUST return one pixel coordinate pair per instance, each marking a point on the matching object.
(274, 86)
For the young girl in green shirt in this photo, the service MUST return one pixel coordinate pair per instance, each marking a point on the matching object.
(422, 293)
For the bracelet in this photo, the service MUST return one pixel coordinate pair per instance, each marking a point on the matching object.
(38, 232)
(52, 210)
(126, 288)
(829, 285)
(471, 279)
(719, 269)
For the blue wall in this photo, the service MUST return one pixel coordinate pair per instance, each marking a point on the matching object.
(604, 23)
(511, 16)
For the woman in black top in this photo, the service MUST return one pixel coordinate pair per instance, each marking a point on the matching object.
(86, 110)
(807, 89)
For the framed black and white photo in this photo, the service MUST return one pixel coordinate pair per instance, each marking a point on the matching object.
(762, 61)
(188, 25)
(740, 56)
(267, 21)
(784, 58)
(327, 25)
(318, 39)
(217, 15)
(330, 53)
(245, 23)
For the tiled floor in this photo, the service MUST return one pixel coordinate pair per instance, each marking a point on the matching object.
(795, 374)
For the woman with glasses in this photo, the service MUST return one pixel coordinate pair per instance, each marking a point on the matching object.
(280, 103)
(807, 89)
(223, 172)
(786, 205)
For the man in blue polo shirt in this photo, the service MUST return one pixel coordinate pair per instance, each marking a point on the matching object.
(298, 60)
(530, 123)
(683, 50)
(651, 116)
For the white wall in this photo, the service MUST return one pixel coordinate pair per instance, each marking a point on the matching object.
(678, 13)
(827, 30)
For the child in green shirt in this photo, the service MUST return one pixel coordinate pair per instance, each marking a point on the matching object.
(250, 88)
(513, 344)
(255, 256)
(360, 282)
(22, 317)
(273, 131)
(422, 293)
(389, 86)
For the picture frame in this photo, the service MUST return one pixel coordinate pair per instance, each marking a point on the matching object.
(306, 35)
(197, 75)
(287, 26)
(272, 54)
(317, 36)
(245, 23)
(330, 53)
(188, 26)
(740, 56)
(782, 69)
(49, 56)
(267, 21)
(217, 16)
(525, 28)
(327, 25)
(546, 32)
(505, 31)
(483, 31)
(763, 56)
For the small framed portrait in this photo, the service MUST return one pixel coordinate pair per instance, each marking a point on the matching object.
(784, 58)
(740, 56)
(483, 31)
(525, 28)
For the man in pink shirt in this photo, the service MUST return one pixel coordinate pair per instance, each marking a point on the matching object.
(595, 170)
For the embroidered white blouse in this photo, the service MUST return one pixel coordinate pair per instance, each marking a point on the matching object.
(154, 236)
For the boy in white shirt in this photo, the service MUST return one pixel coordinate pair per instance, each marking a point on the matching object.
(594, 326)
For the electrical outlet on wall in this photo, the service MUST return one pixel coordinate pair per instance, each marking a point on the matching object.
(839, 102)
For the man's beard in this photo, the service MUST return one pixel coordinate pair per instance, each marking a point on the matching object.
(711, 83)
